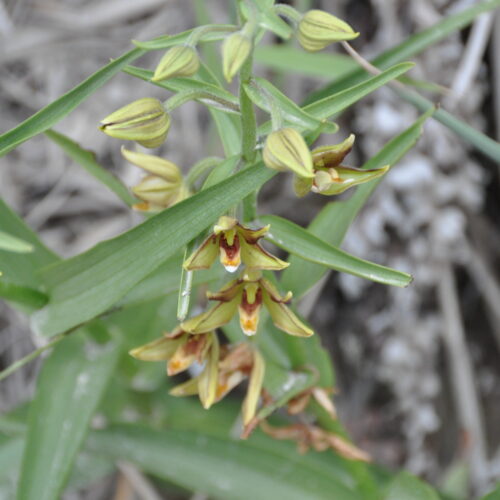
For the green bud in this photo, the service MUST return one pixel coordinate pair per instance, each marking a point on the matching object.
(318, 29)
(144, 121)
(154, 164)
(235, 50)
(285, 149)
(181, 60)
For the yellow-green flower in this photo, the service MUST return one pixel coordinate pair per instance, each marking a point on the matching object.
(285, 149)
(181, 60)
(161, 189)
(317, 29)
(234, 244)
(144, 121)
(235, 364)
(330, 177)
(178, 348)
(246, 295)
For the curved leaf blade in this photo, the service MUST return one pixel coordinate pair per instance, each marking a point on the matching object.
(220, 467)
(87, 160)
(57, 110)
(335, 218)
(298, 241)
(87, 285)
(69, 389)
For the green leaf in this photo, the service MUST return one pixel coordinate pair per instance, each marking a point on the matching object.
(261, 92)
(12, 244)
(87, 160)
(411, 46)
(220, 467)
(479, 140)
(57, 110)
(407, 487)
(166, 41)
(334, 220)
(69, 388)
(216, 95)
(335, 103)
(22, 295)
(20, 268)
(293, 60)
(298, 241)
(493, 495)
(87, 285)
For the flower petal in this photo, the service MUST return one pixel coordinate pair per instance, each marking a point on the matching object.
(207, 385)
(254, 387)
(189, 351)
(332, 156)
(255, 257)
(160, 349)
(204, 256)
(347, 177)
(211, 319)
(188, 388)
(285, 319)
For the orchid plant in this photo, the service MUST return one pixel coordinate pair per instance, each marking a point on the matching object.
(144, 295)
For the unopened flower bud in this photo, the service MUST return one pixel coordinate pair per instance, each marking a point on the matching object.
(181, 60)
(154, 165)
(235, 50)
(318, 29)
(157, 191)
(285, 149)
(144, 121)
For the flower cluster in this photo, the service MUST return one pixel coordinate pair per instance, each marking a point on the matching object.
(195, 340)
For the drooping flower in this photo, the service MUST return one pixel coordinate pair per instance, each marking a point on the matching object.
(235, 244)
(236, 363)
(321, 395)
(317, 29)
(181, 60)
(329, 176)
(310, 436)
(286, 149)
(161, 189)
(246, 295)
(144, 121)
(181, 349)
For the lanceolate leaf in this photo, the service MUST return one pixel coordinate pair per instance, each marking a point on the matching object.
(12, 244)
(220, 467)
(407, 487)
(20, 268)
(298, 241)
(335, 103)
(87, 160)
(334, 220)
(410, 47)
(87, 285)
(55, 111)
(69, 388)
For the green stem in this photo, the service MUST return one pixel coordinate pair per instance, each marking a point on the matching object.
(290, 13)
(185, 285)
(32, 355)
(193, 95)
(198, 33)
(248, 120)
(200, 168)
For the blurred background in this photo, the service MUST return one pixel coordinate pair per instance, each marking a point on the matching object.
(418, 369)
